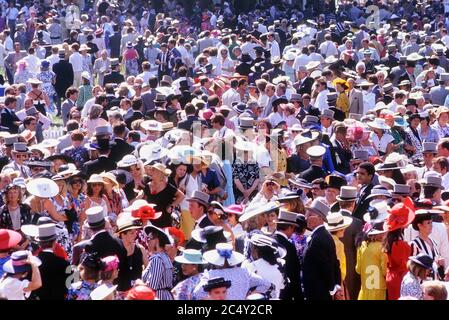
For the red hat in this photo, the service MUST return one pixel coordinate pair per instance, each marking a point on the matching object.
(234, 209)
(99, 32)
(176, 233)
(140, 292)
(9, 239)
(207, 114)
(400, 216)
(146, 213)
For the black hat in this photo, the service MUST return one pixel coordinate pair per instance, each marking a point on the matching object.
(60, 157)
(423, 260)
(279, 101)
(411, 101)
(246, 58)
(334, 181)
(216, 283)
(92, 261)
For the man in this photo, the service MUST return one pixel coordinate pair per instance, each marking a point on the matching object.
(77, 64)
(114, 76)
(101, 67)
(326, 120)
(19, 155)
(54, 270)
(321, 271)
(136, 106)
(231, 95)
(365, 174)
(342, 154)
(441, 165)
(121, 147)
(103, 163)
(188, 123)
(11, 62)
(429, 153)
(315, 170)
(64, 78)
(355, 98)
(149, 96)
(285, 227)
(409, 75)
(115, 41)
(198, 206)
(71, 96)
(438, 93)
(443, 148)
(9, 118)
(351, 239)
(304, 83)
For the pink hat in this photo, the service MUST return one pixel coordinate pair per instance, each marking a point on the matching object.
(207, 114)
(234, 209)
(110, 263)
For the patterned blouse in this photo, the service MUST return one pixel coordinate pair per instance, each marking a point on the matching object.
(184, 289)
(443, 132)
(247, 173)
(159, 275)
(411, 287)
(78, 204)
(431, 136)
(300, 242)
(81, 291)
(25, 217)
(79, 155)
(412, 138)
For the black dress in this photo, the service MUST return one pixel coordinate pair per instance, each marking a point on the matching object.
(162, 200)
(133, 270)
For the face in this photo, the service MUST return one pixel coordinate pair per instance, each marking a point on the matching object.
(426, 295)
(181, 171)
(443, 119)
(425, 227)
(97, 187)
(362, 176)
(61, 185)
(218, 293)
(428, 158)
(331, 194)
(20, 157)
(76, 184)
(13, 195)
(189, 269)
(129, 236)
(196, 210)
(313, 219)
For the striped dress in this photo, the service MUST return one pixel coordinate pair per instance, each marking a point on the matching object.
(159, 275)
(418, 246)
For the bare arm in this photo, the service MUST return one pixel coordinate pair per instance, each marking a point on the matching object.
(36, 281)
(50, 208)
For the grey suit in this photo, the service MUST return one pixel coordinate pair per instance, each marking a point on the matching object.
(438, 95)
(65, 110)
(356, 101)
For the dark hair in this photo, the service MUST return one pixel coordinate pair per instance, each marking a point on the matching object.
(190, 109)
(134, 136)
(119, 129)
(429, 191)
(70, 91)
(369, 167)
(28, 120)
(219, 118)
(266, 253)
(320, 182)
(213, 100)
(420, 218)
(136, 104)
(390, 238)
(90, 191)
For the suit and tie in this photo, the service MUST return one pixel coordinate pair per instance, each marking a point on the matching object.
(162, 70)
(321, 270)
(341, 156)
(135, 116)
(54, 273)
(9, 120)
(103, 163)
(362, 203)
(304, 86)
(148, 100)
(356, 102)
(292, 268)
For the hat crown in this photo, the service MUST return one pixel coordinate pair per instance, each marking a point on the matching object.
(401, 188)
(192, 255)
(47, 230)
(95, 215)
(287, 216)
(201, 196)
(348, 192)
(335, 219)
(320, 207)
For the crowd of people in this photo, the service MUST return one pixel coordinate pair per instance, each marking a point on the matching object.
(224, 150)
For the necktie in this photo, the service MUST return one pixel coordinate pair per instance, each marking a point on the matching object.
(23, 172)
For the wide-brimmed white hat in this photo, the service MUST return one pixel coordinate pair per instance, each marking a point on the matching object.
(95, 178)
(337, 221)
(376, 211)
(261, 240)
(378, 123)
(190, 256)
(102, 291)
(43, 188)
(223, 253)
(255, 209)
(127, 161)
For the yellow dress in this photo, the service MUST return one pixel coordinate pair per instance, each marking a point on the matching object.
(343, 103)
(340, 249)
(372, 267)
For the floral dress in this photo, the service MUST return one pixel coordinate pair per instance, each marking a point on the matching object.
(64, 237)
(411, 287)
(23, 77)
(131, 62)
(443, 132)
(412, 138)
(79, 155)
(247, 173)
(78, 204)
(81, 291)
(431, 136)
(47, 78)
(184, 289)
(300, 243)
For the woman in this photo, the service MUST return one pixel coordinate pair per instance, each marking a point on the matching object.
(62, 205)
(85, 90)
(76, 187)
(224, 263)
(441, 126)
(365, 143)
(42, 192)
(342, 100)
(23, 74)
(418, 267)
(135, 167)
(397, 250)
(89, 270)
(40, 99)
(192, 264)
(112, 192)
(96, 196)
(265, 253)
(130, 59)
(109, 273)
(426, 132)
(263, 130)
(423, 243)
(137, 256)
(48, 78)
(158, 275)
(245, 172)
(370, 255)
(382, 140)
(180, 178)
(94, 120)
(413, 144)
(160, 192)
(14, 213)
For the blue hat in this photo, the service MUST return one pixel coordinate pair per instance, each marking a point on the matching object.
(18, 263)
(45, 64)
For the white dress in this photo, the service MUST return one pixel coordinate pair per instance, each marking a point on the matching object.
(268, 272)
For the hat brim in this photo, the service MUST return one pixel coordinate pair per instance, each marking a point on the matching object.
(32, 188)
(300, 184)
(263, 209)
(412, 258)
(346, 199)
(199, 201)
(388, 195)
(9, 268)
(214, 258)
(13, 240)
(346, 223)
(183, 260)
(151, 228)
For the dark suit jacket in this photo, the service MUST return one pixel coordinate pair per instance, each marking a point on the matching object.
(77, 251)
(314, 172)
(297, 165)
(114, 44)
(64, 76)
(321, 270)
(99, 165)
(148, 100)
(114, 77)
(292, 270)
(305, 87)
(341, 163)
(362, 204)
(8, 117)
(120, 149)
(188, 123)
(135, 116)
(53, 274)
(351, 239)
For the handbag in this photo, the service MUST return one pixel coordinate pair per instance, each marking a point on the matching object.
(72, 217)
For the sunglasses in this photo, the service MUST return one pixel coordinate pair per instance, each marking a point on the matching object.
(23, 156)
(77, 182)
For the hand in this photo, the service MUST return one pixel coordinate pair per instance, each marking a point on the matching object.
(440, 261)
(339, 295)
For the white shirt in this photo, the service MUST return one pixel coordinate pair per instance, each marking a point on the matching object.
(268, 272)
(446, 181)
(328, 48)
(13, 289)
(33, 63)
(301, 60)
(369, 101)
(145, 76)
(54, 58)
(262, 157)
(321, 100)
(9, 44)
(227, 64)
(230, 96)
(248, 47)
(314, 56)
(87, 106)
(76, 59)
(275, 118)
(381, 144)
(12, 13)
(275, 50)
(445, 40)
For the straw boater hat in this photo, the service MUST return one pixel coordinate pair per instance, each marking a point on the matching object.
(347, 193)
(223, 253)
(336, 221)
(128, 223)
(261, 240)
